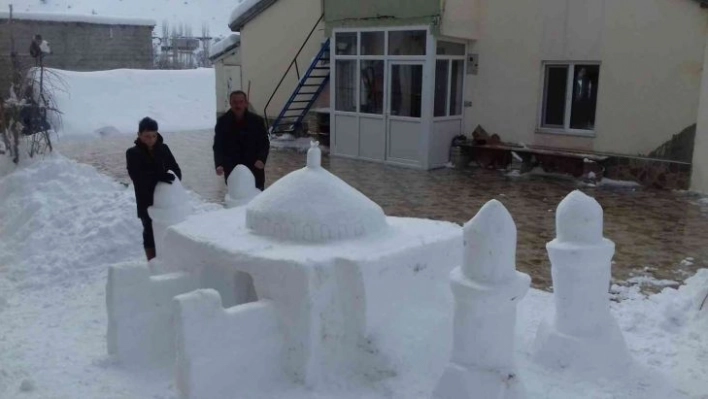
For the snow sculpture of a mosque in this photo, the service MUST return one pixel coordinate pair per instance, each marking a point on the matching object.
(287, 286)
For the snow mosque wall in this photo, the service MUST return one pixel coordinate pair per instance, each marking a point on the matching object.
(140, 328)
(249, 333)
(487, 289)
(327, 267)
(582, 334)
(139, 305)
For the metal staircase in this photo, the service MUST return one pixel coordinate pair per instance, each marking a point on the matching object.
(310, 86)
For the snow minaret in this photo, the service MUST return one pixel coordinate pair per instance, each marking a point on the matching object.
(170, 206)
(582, 334)
(242, 187)
(487, 289)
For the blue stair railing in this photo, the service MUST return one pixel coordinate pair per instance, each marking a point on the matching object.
(310, 86)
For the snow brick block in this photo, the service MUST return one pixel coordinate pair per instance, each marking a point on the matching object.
(582, 335)
(221, 352)
(140, 328)
(487, 289)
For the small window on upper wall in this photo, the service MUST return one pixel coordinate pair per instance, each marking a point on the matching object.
(450, 48)
(372, 43)
(407, 42)
(345, 43)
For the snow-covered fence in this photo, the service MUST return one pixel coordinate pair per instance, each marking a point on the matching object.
(582, 334)
(140, 329)
(242, 187)
(487, 289)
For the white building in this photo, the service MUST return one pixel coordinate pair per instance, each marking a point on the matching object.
(566, 79)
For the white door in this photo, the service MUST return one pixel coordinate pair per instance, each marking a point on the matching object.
(403, 111)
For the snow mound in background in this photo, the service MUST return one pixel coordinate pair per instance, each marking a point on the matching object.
(111, 102)
(84, 18)
(60, 219)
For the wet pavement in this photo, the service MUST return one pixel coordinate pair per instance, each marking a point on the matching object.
(662, 234)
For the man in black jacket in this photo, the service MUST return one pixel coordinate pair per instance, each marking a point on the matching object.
(148, 162)
(240, 138)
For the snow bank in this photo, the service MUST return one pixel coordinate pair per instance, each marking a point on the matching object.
(224, 45)
(54, 220)
(60, 220)
(88, 19)
(108, 102)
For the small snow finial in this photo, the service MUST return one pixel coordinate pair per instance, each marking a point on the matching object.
(241, 182)
(314, 155)
(579, 219)
(490, 245)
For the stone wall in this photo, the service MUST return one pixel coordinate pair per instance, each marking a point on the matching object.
(656, 173)
(77, 46)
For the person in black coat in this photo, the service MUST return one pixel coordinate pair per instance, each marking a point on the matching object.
(240, 138)
(148, 163)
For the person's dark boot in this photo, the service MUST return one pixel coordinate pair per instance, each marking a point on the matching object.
(150, 253)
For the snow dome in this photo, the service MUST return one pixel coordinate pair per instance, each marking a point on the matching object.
(312, 204)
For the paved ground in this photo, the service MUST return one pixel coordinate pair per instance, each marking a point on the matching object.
(655, 231)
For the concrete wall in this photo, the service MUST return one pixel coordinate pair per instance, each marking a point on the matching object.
(228, 78)
(77, 46)
(651, 54)
(268, 44)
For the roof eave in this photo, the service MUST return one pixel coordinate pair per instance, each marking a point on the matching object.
(223, 52)
(238, 24)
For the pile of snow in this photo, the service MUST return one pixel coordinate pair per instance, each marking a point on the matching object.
(61, 220)
(224, 45)
(110, 102)
(54, 220)
(84, 18)
(193, 13)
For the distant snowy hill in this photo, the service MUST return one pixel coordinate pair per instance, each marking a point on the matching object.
(214, 13)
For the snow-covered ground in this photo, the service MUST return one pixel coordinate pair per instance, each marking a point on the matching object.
(213, 13)
(113, 102)
(62, 224)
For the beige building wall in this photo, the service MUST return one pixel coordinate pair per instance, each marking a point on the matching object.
(268, 44)
(651, 54)
(228, 78)
(460, 19)
(699, 171)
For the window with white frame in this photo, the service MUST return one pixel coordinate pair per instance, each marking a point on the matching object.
(360, 63)
(449, 78)
(570, 96)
